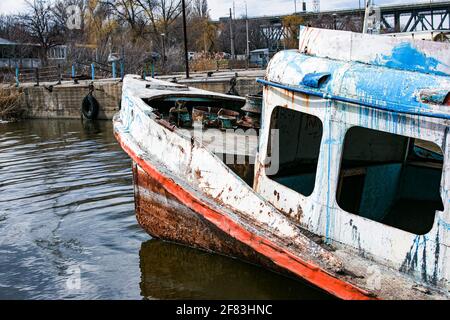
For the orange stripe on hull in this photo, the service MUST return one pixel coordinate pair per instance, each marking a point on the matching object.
(305, 270)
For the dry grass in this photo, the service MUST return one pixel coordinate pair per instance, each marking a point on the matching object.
(9, 104)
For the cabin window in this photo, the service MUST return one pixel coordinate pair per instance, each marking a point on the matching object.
(390, 179)
(300, 135)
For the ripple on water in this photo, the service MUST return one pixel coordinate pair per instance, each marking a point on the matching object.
(66, 208)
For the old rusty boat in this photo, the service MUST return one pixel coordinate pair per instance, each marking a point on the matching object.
(347, 184)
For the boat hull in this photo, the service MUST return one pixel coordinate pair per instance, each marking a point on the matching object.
(163, 216)
(168, 209)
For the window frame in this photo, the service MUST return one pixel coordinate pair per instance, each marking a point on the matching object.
(268, 150)
(442, 177)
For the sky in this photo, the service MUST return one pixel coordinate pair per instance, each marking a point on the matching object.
(220, 8)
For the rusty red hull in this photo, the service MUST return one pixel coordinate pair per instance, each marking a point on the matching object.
(163, 216)
(166, 211)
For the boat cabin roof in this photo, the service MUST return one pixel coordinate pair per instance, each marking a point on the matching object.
(396, 75)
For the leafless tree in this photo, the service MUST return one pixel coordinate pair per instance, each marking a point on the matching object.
(129, 12)
(200, 8)
(42, 26)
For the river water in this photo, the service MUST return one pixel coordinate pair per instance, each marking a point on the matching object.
(68, 230)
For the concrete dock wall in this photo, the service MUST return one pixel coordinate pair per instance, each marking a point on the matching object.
(64, 100)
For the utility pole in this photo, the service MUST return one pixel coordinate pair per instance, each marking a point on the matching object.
(231, 35)
(186, 61)
(295, 6)
(163, 37)
(246, 31)
(368, 6)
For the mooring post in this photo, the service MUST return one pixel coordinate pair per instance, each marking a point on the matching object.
(17, 76)
(114, 69)
(93, 71)
(122, 71)
(37, 77)
(74, 74)
(153, 68)
(59, 73)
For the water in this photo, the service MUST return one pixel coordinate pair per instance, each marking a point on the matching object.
(68, 230)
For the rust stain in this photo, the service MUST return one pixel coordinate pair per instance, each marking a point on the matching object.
(198, 174)
(276, 194)
(217, 222)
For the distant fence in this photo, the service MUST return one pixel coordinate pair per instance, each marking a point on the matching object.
(96, 70)
(57, 73)
(44, 74)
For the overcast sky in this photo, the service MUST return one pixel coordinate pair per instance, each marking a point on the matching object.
(220, 8)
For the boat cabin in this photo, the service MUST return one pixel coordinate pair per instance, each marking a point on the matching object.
(348, 169)
(354, 146)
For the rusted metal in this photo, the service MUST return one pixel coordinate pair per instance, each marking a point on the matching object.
(186, 193)
(167, 211)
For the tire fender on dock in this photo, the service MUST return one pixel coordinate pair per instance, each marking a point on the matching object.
(89, 107)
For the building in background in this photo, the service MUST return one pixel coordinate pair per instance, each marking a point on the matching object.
(14, 54)
(259, 57)
(27, 55)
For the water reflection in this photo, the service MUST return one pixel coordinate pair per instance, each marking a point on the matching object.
(66, 203)
(170, 271)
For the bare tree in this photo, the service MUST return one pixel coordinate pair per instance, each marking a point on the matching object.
(202, 32)
(161, 16)
(291, 25)
(42, 26)
(129, 12)
(200, 8)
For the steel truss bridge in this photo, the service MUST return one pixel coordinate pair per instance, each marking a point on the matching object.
(395, 18)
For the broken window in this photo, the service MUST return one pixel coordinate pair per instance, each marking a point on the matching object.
(390, 179)
(300, 135)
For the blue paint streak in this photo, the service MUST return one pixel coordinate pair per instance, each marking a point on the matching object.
(352, 82)
(395, 108)
(444, 224)
(328, 213)
(406, 57)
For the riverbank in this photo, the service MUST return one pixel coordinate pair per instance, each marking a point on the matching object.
(63, 101)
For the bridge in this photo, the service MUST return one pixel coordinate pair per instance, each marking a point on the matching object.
(394, 19)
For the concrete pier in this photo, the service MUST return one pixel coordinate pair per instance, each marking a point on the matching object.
(50, 100)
